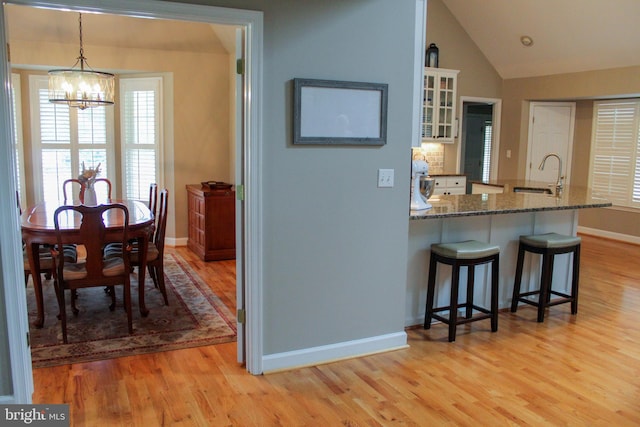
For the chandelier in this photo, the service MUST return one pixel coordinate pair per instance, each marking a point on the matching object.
(81, 88)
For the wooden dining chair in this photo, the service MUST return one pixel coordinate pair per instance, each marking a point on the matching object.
(153, 198)
(153, 206)
(44, 254)
(67, 187)
(107, 183)
(155, 248)
(95, 270)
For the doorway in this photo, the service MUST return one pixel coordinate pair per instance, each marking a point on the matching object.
(479, 139)
(249, 164)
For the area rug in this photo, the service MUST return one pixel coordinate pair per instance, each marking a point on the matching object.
(194, 317)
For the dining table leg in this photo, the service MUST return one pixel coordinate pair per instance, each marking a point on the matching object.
(34, 265)
(143, 242)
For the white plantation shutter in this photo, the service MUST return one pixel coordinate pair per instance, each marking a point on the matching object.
(65, 137)
(615, 167)
(55, 134)
(141, 134)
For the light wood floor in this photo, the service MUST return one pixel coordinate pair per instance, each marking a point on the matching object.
(579, 370)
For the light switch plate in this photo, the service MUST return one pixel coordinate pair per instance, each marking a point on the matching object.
(385, 177)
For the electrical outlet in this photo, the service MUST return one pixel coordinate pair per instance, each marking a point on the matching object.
(385, 177)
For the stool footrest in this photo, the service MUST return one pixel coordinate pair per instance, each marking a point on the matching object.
(564, 298)
(484, 314)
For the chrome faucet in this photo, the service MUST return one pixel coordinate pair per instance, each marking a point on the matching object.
(560, 177)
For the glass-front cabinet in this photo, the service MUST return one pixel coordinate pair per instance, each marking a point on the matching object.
(439, 105)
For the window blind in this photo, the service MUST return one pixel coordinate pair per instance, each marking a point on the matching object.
(615, 167)
(140, 134)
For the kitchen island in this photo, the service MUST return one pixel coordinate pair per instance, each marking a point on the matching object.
(495, 218)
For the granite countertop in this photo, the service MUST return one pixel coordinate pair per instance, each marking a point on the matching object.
(573, 197)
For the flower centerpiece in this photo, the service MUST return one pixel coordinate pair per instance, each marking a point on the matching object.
(88, 178)
(89, 175)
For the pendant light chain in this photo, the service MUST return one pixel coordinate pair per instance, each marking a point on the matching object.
(81, 58)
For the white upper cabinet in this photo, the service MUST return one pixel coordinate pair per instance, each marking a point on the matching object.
(439, 105)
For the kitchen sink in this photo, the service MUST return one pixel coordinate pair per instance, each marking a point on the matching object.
(532, 190)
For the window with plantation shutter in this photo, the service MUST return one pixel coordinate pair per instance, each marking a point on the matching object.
(63, 139)
(615, 165)
(141, 134)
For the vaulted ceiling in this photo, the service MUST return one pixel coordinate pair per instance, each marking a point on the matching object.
(568, 35)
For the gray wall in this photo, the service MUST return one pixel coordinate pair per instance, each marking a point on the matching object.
(335, 245)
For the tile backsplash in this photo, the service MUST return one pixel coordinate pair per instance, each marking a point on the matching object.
(433, 153)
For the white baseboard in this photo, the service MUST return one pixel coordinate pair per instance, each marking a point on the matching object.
(609, 235)
(334, 352)
(173, 242)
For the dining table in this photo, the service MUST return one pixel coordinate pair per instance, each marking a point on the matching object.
(38, 228)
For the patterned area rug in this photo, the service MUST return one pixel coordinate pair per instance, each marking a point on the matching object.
(194, 317)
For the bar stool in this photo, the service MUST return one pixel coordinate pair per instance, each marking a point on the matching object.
(462, 254)
(548, 245)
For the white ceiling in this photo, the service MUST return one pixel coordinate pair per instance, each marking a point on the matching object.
(569, 35)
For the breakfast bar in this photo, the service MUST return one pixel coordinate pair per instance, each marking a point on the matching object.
(497, 218)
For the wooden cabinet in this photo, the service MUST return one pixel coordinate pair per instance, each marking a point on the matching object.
(455, 184)
(212, 223)
(439, 105)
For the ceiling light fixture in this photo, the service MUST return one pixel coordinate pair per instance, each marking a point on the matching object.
(81, 88)
(526, 41)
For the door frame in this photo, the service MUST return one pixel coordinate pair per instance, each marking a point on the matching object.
(530, 153)
(496, 103)
(16, 316)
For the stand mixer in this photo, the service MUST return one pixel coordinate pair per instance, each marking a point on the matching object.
(419, 168)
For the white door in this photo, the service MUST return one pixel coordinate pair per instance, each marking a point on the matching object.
(550, 131)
